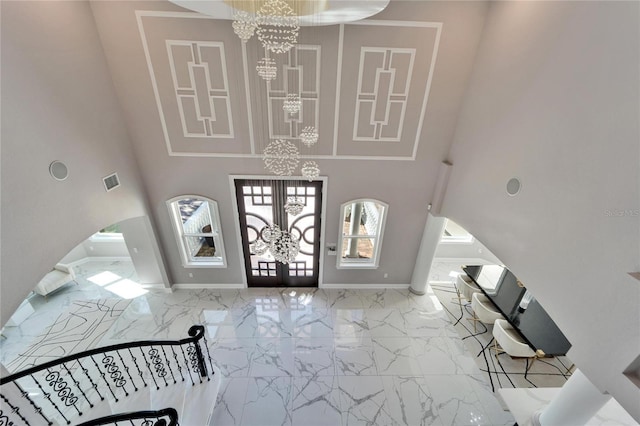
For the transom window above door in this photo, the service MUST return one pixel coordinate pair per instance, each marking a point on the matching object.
(196, 223)
(361, 228)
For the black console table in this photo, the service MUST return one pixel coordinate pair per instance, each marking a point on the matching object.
(524, 313)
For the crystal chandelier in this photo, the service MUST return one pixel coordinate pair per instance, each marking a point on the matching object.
(281, 157)
(244, 25)
(267, 69)
(270, 233)
(292, 104)
(277, 26)
(294, 206)
(259, 247)
(285, 248)
(310, 170)
(309, 136)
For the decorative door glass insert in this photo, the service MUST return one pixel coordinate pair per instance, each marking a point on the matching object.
(265, 224)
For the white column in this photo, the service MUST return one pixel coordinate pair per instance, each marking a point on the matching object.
(578, 401)
(430, 238)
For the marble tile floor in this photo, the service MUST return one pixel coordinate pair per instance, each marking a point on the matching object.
(502, 372)
(306, 356)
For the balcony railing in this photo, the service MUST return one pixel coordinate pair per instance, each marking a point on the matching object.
(71, 387)
(165, 417)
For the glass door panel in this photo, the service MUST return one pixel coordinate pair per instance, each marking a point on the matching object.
(261, 204)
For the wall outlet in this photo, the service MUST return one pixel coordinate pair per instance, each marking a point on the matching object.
(135, 249)
(190, 274)
(331, 249)
(386, 275)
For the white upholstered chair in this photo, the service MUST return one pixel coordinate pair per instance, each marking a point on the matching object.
(465, 288)
(483, 310)
(509, 341)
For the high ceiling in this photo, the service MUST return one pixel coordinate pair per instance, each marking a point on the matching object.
(366, 86)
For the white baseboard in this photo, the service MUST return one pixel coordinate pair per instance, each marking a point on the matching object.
(157, 287)
(192, 286)
(364, 286)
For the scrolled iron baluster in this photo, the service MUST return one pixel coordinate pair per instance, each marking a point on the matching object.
(95, 386)
(104, 378)
(197, 331)
(154, 354)
(4, 419)
(135, 362)
(15, 410)
(77, 384)
(193, 359)
(114, 372)
(206, 345)
(175, 355)
(168, 365)
(186, 362)
(149, 369)
(47, 396)
(61, 387)
(126, 369)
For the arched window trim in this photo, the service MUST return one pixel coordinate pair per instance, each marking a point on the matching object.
(374, 262)
(188, 261)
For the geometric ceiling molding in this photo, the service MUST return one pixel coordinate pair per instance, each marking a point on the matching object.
(364, 86)
(203, 100)
(197, 82)
(383, 90)
(300, 71)
(382, 110)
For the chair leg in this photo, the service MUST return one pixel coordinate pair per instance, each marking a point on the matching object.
(569, 369)
(539, 354)
(474, 320)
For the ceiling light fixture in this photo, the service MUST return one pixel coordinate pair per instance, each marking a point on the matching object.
(309, 136)
(292, 104)
(277, 27)
(267, 69)
(310, 170)
(244, 25)
(281, 157)
(294, 206)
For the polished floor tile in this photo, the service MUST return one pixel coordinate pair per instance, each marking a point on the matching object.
(305, 356)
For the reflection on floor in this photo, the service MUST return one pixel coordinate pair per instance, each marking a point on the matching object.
(503, 371)
(301, 357)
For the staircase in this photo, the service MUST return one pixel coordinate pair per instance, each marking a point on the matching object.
(123, 378)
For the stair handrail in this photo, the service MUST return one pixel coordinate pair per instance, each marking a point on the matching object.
(138, 415)
(196, 332)
(112, 375)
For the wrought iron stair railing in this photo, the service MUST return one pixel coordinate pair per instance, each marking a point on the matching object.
(164, 417)
(68, 388)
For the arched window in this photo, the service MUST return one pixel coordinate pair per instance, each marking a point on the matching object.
(361, 229)
(196, 223)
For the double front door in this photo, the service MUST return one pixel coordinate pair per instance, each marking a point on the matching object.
(261, 204)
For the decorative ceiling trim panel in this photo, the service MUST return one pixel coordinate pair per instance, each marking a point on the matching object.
(204, 103)
(369, 85)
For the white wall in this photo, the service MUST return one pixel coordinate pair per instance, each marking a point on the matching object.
(58, 103)
(554, 100)
(105, 248)
(472, 250)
